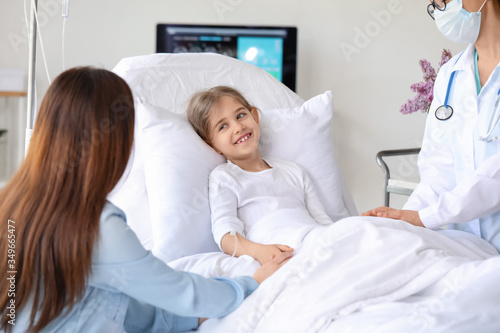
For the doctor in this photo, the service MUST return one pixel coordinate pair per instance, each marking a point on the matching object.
(459, 163)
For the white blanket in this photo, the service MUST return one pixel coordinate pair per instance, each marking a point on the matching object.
(366, 274)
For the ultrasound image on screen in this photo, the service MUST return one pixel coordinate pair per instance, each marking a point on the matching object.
(264, 52)
(214, 44)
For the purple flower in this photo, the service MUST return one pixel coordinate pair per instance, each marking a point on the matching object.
(425, 90)
(419, 102)
(409, 107)
(428, 70)
(445, 57)
(422, 88)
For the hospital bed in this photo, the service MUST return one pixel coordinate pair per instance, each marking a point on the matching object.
(360, 275)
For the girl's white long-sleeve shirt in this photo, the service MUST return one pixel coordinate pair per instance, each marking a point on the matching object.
(275, 206)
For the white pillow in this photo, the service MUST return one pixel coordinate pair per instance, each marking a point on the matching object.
(303, 135)
(178, 162)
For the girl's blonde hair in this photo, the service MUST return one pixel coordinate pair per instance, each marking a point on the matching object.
(203, 103)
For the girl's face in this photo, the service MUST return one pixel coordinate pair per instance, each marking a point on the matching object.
(234, 130)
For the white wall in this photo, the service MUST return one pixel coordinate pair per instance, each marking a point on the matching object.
(369, 84)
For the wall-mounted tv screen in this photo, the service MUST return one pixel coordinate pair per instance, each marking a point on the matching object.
(273, 49)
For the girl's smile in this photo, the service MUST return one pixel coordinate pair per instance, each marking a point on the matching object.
(243, 138)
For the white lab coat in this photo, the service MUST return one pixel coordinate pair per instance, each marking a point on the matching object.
(460, 174)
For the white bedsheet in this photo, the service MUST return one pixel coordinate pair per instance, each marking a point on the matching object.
(366, 274)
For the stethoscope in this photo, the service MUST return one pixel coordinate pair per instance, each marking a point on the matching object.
(445, 111)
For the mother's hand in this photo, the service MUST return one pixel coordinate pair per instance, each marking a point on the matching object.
(275, 262)
(410, 216)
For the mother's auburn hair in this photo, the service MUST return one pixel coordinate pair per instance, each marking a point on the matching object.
(80, 146)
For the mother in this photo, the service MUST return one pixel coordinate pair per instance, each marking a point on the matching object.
(73, 265)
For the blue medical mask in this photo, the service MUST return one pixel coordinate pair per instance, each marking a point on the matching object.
(457, 24)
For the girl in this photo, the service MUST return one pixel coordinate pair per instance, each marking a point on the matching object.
(74, 265)
(257, 204)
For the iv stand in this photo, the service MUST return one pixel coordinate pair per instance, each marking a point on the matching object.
(31, 99)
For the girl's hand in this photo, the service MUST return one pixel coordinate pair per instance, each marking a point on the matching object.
(409, 216)
(265, 253)
(272, 265)
(260, 252)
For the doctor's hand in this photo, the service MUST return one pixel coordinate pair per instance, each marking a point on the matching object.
(377, 211)
(410, 216)
(274, 263)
